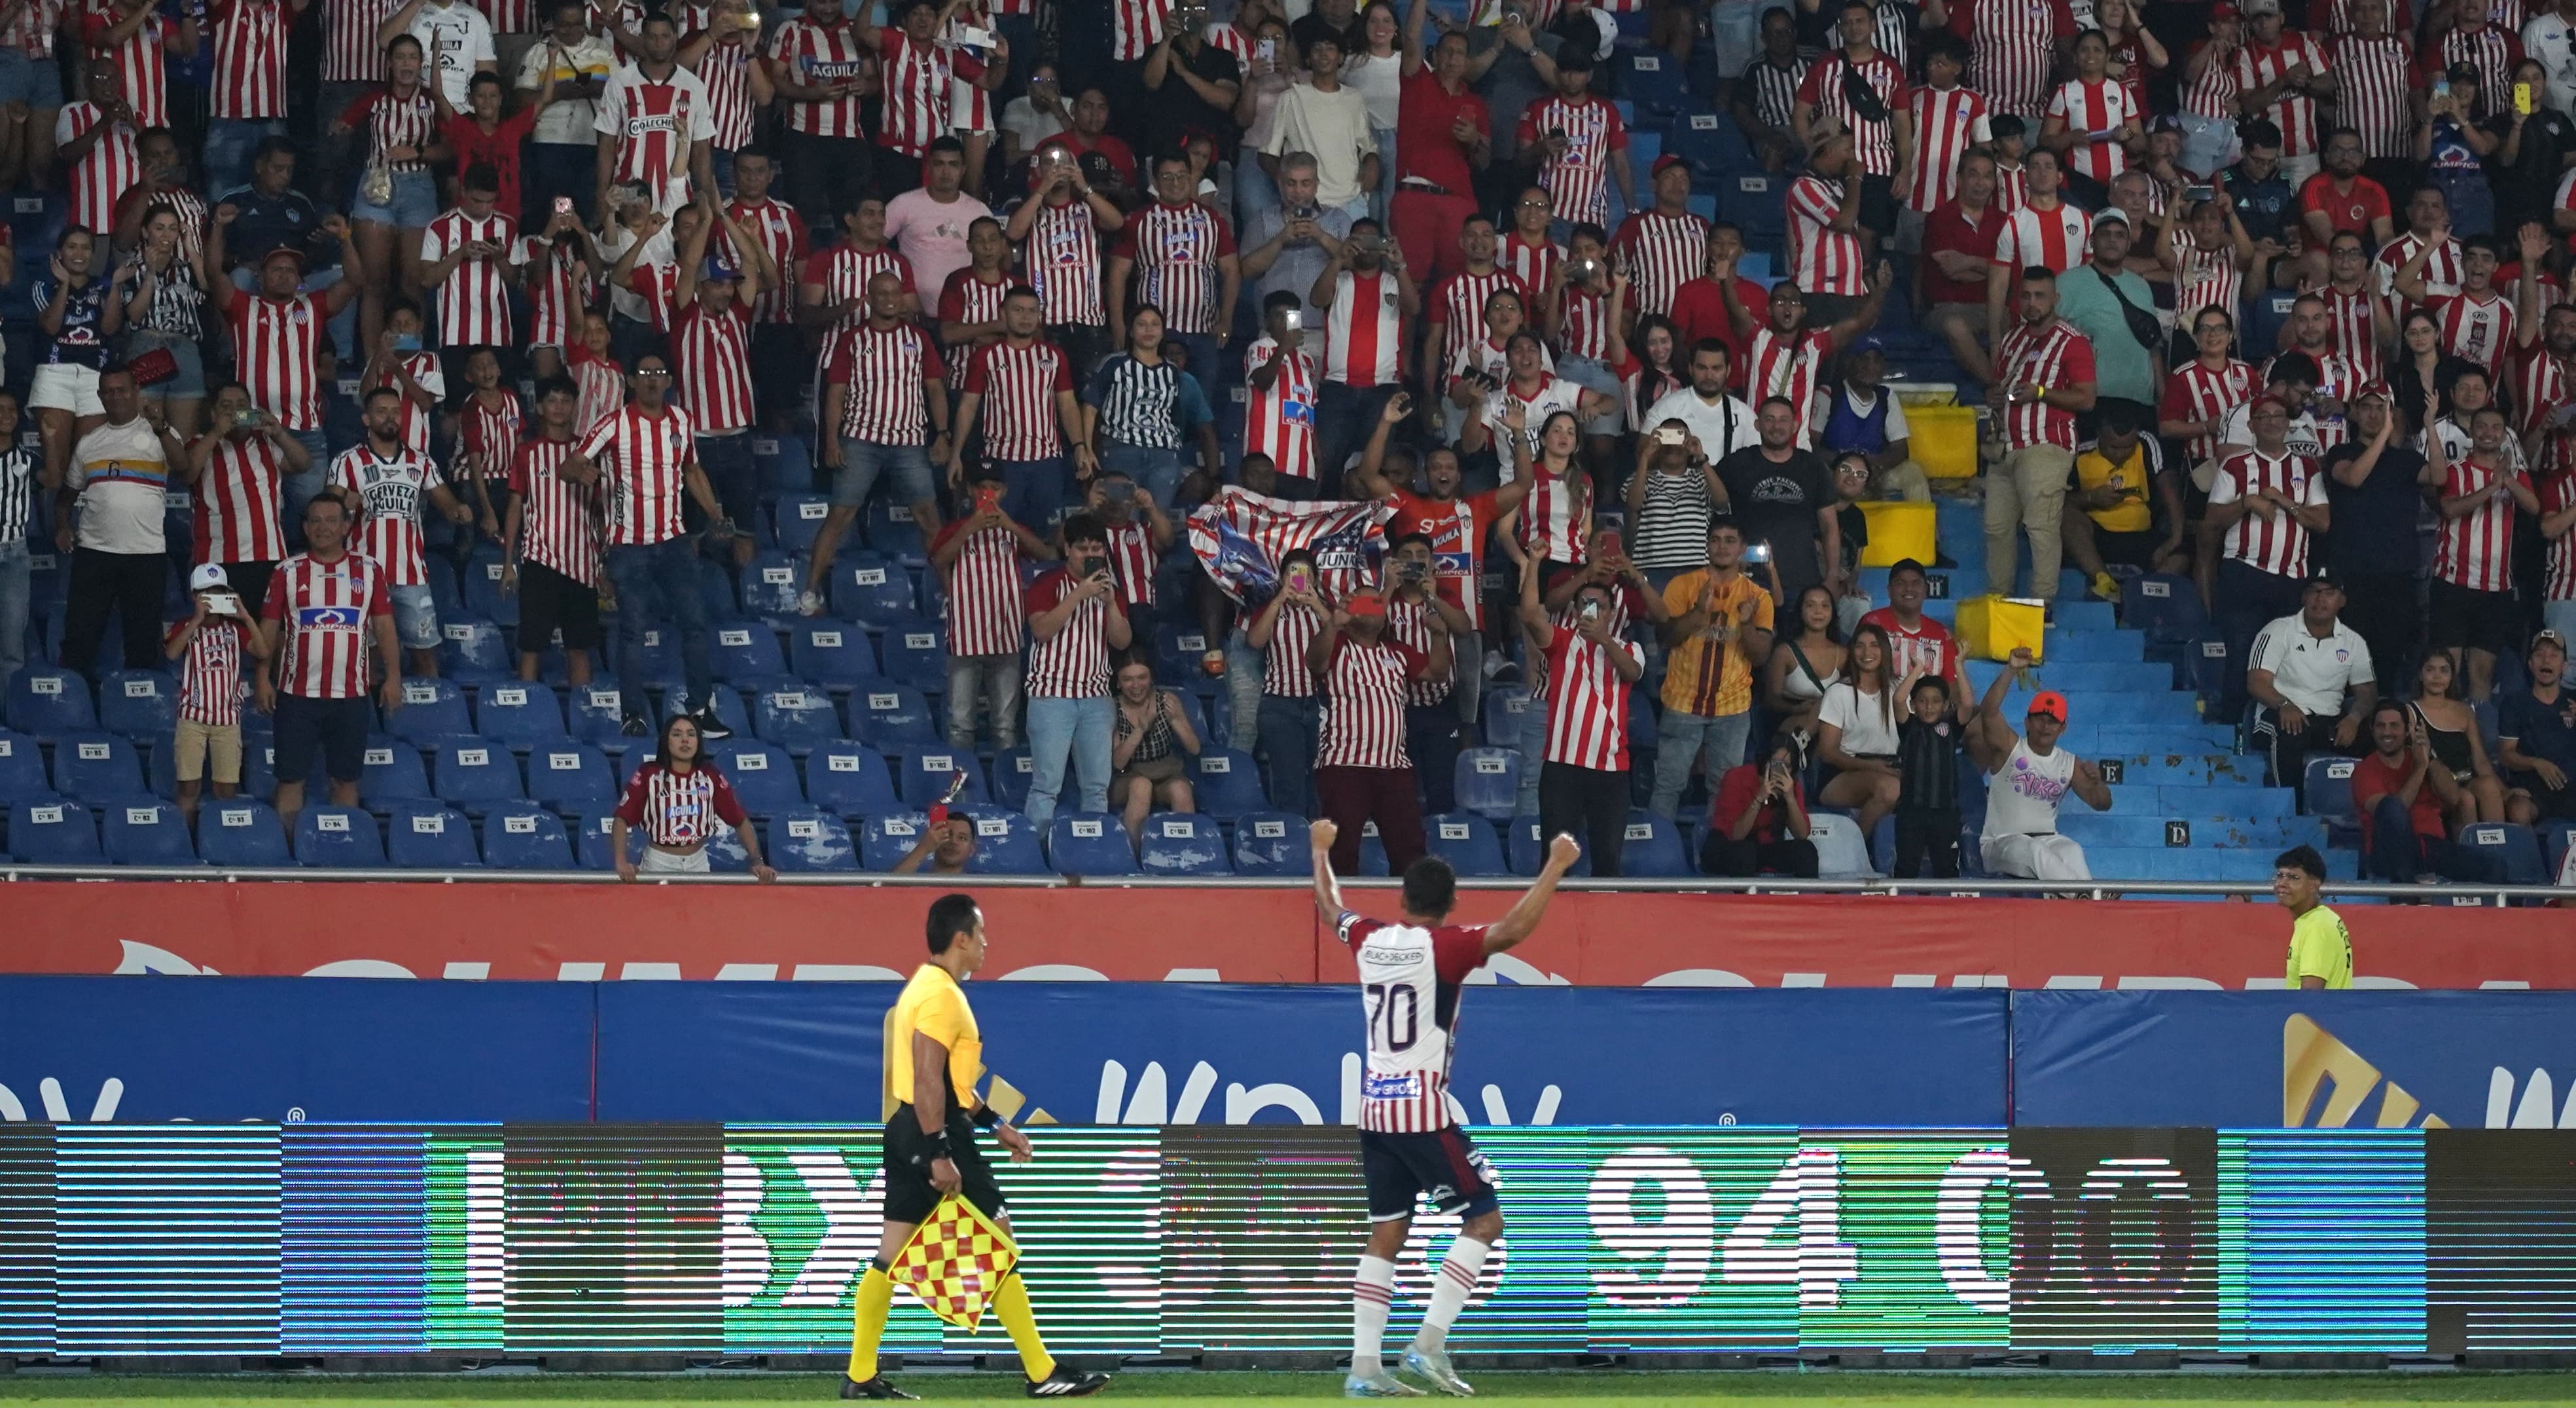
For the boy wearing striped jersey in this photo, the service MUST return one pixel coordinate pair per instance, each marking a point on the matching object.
(1410, 1144)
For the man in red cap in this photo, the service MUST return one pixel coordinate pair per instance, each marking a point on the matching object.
(1362, 772)
(2028, 777)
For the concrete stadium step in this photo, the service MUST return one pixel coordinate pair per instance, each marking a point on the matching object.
(2118, 831)
(2128, 740)
(2091, 708)
(2212, 803)
(2183, 769)
(2073, 613)
(2092, 676)
(2249, 865)
(2078, 647)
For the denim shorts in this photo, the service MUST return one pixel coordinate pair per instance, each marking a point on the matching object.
(863, 460)
(190, 383)
(415, 617)
(414, 203)
(38, 84)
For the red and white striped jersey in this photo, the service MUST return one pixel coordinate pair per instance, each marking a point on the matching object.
(1283, 662)
(1578, 179)
(2209, 278)
(1824, 87)
(210, 678)
(656, 123)
(2279, 544)
(2355, 338)
(1533, 263)
(560, 288)
(1136, 27)
(1460, 304)
(679, 808)
(2214, 93)
(1587, 703)
(275, 342)
(1947, 121)
(558, 520)
(1131, 562)
(1582, 323)
(1365, 690)
(1662, 253)
(250, 59)
(1176, 250)
(2053, 355)
(2012, 187)
(2478, 330)
(1822, 258)
(474, 302)
(509, 16)
(982, 603)
(2557, 495)
(1410, 981)
(2058, 239)
(778, 228)
(324, 612)
(1074, 662)
(2538, 385)
(2373, 78)
(725, 71)
(603, 388)
(390, 489)
(350, 53)
(2493, 52)
(2475, 550)
(968, 299)
(489, 435)
(843, 272)
(920, 80)
(1363, 330)
(814, 55)
(2012, 51)
(1019, 413)
(430, 375)
(1061, 258)
(237, 508)
(2441, 272)
(1223, 35)
(393, 120)
(2295, 113)
(644, 458)
(100, 178)
(1787, 366)
(32, 28)
(2095, 107)
(885, 369)
(1408, 623)
(141, 61)
(712, 353)
(1280, 422)
(1555, 521)
(2196, 392)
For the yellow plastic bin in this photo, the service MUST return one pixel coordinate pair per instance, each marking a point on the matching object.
(1992, 627)
(1898, 531)
(1944, 441)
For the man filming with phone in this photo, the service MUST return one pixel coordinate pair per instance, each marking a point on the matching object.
(1075, 622)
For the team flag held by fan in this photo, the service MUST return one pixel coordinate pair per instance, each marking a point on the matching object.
(955, 1261)
(1239, 537)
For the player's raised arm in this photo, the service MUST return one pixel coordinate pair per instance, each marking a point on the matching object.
(1328, 891)
(1523, 919)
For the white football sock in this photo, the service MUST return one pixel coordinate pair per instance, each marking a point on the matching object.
(1458, 1272)
(1371, 1296)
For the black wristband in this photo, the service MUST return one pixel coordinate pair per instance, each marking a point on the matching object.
(939, 1149)
(986, 1117)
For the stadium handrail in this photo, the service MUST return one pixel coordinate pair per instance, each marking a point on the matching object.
(2465, 896)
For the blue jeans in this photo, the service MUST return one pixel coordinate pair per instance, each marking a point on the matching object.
(1431, 741)
(732, 475)
(17, 587)
(1255, 194)
(1345, 417)
(665, 573)
(1078, 729)
(1533, 754)
(1157, 472)
(1680, 739)
(862, 461)
(299, 489)
(229, 142)
(2398, 853)
(1384, 195)
(1203, 349)
(1033, 492)
(1288, 741)
(1243, 690)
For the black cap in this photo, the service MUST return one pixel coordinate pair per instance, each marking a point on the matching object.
(2322, 577)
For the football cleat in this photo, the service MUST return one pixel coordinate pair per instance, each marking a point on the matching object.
(1067, 1383)
(876, 1387)
(1433, 1364)
(1378, 1385)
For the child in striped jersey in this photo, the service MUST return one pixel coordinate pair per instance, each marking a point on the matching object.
(210, 645)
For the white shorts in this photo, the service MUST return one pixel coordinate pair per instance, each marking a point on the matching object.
(2050, 857)
(61, 387)
(657, 861)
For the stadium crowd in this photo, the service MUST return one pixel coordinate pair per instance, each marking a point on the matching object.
(1051, 361)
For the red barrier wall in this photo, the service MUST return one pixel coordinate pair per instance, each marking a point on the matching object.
(1233, 935)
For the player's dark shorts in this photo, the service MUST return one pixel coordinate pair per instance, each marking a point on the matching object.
(1444, 1167)
(908, 1194)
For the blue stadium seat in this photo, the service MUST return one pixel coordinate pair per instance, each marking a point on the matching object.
(474, 652)
(1489, 781)
(523, 715)
(872, 591)
(831, 654)
(715, 591)
(241, 833)
(598, 715)
(1653, 80)
(726, 854)
(924, 775)
(98, 768)
(785, 466)
(1372, 851)
(53, 831)
(474, 773)
(887, 838)
(2329, 793)
(1527, 850)
(2516, 847)
(1466, 841)
(1089, 844)
(1012, 771)
(848, 779)
(892, 532)
(796, 716)
(591, 845)
(1506, 711)
(768, 584)
(659, 657)
(809, 841)
(142, 705)
(1177, 652)
(2164, 606)
(1006, 843)
(762, 775)
(745, 653)
(890, 715)
(49, 703)
(727, 703)
(22, 768)
(1227, 783)
(1270, 843)
(572, 778)
(480, 584)
(431, 839)
(2556, 838)
(338, 838)
(146, 833)
(1179, 844)
(1653, 849)
(916, 654)
(443, 591)
(800, 517)
(389, 770)
(522, 836)
(432, 709)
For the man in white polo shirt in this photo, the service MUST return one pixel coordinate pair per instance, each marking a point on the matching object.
(2312, 683)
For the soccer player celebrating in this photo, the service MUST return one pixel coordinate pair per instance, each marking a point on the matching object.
(1410, 1145)
(934, 1055)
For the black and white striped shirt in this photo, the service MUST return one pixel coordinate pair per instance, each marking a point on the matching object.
(178, 303)
(17, 494)
(1775, 91)
(1150, 407)
(1671, 530)
(1894, 35)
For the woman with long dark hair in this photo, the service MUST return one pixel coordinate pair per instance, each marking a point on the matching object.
(678, 796)
(1139, 409)
(1856, 731)
(1805, 660)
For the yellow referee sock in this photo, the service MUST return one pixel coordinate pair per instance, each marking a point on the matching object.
(875, 1297)
(1011, 1306)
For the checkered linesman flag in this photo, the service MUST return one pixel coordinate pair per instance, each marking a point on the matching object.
(955, 1261)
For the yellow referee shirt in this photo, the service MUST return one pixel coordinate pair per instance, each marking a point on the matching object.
(2320, 948)
(933, 1005)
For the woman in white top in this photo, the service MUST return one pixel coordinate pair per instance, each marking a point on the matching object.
(1856, 732)
(2027, 781)
(1803, 664)
(1376, 69)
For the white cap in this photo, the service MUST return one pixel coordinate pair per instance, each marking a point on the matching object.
(208, 574)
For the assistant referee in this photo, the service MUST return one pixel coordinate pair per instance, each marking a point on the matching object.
(934, 1055)
(2320, 947)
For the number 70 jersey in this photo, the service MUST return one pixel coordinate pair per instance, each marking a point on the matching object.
(1409, 981)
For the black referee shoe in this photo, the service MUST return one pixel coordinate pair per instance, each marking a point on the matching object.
(1067, 1383)
(876, 1387)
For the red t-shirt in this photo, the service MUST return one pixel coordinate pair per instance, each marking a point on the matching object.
(499, 149)
(1950, 228)
(1425, 112)
(1930, 645)
(1699, 310)
(2373, 779)
(1735, 792)
(2351, 213)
